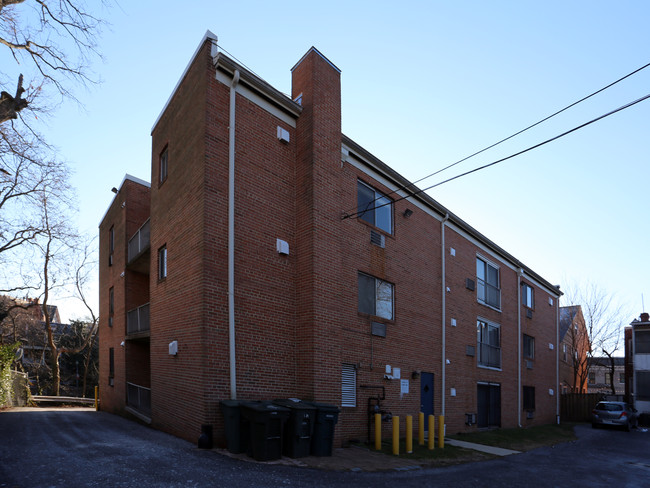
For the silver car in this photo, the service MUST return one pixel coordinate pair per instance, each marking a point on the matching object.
(619, 414)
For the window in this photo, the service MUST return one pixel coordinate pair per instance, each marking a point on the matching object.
(608, 378)
(374, 207)
(563, 352)
(529, 347)
(621, 378)
(592, 378)
(643, 385)
(111, 306)
(348, 385)
(529, 398)
(642, 342)
(111, 245)
(375, 296)
(162, 263)
(163, 165)
(488, 289)
(111, 366)
(489, 344)
(527, 296)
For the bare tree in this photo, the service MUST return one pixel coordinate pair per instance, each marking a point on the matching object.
(605, 320)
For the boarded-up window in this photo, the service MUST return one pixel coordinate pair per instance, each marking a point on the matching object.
(348, 385)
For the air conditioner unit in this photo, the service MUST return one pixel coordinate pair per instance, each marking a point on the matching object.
(530, 414)
(529, 313)
(470, 418)
(377, 239)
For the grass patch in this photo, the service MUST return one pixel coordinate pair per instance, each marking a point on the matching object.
(524, 439)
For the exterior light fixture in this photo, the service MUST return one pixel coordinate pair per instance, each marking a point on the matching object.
(114, 190)
(407, 213)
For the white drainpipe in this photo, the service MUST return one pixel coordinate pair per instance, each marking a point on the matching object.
(520, 273)
(444, 316)
(231, 239)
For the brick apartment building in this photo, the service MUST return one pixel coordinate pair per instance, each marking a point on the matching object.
(243, 271)
(574, 349)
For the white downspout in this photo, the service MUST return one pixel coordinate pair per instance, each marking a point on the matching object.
(231, 238)
(557, 359)
(444, 317)
(520, 273)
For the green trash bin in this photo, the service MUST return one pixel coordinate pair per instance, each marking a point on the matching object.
(323, 437)
(298, 428)
(236, 427)
(266, 423)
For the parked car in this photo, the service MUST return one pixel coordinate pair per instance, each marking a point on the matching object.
(619, 414)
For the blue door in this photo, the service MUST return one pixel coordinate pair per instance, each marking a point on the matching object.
(426, 397)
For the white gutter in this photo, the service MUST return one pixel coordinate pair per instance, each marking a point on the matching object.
(520, 273)
(231, 238)
(444, 315)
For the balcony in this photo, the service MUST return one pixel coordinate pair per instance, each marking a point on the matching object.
(138, 398)
(137, 321)
(139, 249)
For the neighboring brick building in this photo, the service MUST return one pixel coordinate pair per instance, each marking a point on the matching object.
(309, 299)
(574, 349)
(600, 376)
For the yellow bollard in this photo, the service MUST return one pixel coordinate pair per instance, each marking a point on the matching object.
(378, 432)
(396, 436)
(421, 429)
(96, 398)
(432, 432)
(409, 434)
(441, 431)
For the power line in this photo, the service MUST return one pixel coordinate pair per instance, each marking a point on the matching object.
(623, 107)
(513, 135)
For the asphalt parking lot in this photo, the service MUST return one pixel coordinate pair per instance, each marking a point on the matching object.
(81, 447)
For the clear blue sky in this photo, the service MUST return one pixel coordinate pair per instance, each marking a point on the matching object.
(424, 84)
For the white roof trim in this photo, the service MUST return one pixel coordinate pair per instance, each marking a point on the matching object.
(126, 177)
(208, 35)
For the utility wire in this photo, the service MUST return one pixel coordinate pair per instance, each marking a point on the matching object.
(513, 135)
(628, 105)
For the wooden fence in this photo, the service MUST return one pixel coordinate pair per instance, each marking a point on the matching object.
(577, 407)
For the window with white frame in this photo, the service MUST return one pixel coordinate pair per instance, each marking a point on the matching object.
(488, 283)
(348, 385)
(592, 378)
(488, 344)
(374, 207)
(527, 296)
(375, 296)
(529, 347)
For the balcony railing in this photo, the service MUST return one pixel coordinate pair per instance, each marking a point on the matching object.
(139, 398)
(139, 242)
(137, 320)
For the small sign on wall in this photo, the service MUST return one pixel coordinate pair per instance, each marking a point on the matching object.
(404, 387)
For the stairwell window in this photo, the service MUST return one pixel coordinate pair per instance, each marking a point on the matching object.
(163, 165)
(111, 366)
(488, 344)
(488, 283)
(162, 263)
(375, 296)
(111, 306)
(374, 207)
(529, 347)
(529, 398)
(111, 245)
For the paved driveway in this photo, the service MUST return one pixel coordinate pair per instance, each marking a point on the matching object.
(78, 448)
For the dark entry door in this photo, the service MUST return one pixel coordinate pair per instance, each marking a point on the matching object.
(489, 405)
(426, 397)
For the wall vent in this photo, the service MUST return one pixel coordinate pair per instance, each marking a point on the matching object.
(378, 329)
(530, 415)
(470, 351)
(529, 364)
(529, 313)
(469, 284)
(377, 239)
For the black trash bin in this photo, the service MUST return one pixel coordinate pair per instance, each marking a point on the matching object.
(235, 425)
(323, 437)
(266, 423)
(298, 429)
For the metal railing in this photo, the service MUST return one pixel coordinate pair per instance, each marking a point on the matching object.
(137, 320)
(139, 398)
(489, 294)
(139, 242)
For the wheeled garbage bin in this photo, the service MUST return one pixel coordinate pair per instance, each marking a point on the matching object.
(326, 418)
(266, 423)
(236, 427)
(299, 427)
